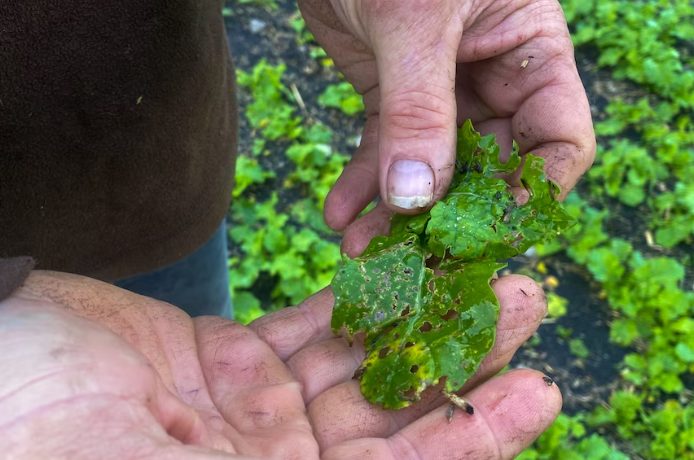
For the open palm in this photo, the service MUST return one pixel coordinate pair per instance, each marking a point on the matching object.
(92, 371)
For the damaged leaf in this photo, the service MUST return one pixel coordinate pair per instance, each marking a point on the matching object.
(420, 327)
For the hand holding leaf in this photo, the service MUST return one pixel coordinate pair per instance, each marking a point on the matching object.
(420, 327)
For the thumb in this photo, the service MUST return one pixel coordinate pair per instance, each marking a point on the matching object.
(415, 44)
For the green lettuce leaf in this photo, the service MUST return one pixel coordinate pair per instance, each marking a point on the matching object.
(423, 328)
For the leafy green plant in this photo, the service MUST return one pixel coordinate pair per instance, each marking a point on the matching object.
(674, 209)
(248, 173)
(305, 38)
(342, 96)
(639, 39)
(568, 439)
(578, 348)
(628, 172)
(556, 305)
(268, 112)
(299, 260)
(287, 252)
(666, 432)
(420, 327)
(317, 165)
(642, 41)
(651, 307)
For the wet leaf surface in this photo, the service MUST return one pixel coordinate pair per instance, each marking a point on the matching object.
(420, 327)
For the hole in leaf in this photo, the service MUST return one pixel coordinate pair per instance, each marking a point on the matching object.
(389, 327)
(414, 369)
(426, 327)
(407, 271)
(358, 373)
(409, 344)
(385, 351)
(450, 314)
(405, 312)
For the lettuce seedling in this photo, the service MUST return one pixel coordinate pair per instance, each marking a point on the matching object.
(422, 296)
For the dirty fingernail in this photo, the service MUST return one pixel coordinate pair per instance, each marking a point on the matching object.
(410, 184)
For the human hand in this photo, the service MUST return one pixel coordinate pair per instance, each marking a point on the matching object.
(92, 371)
(425, 66)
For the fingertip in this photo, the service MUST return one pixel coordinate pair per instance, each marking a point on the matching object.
(508, 413)
(413, 185)
(565, 162)
(523, 301)
(352, 246)
(349, 196)
(517, 407)
(334, 213)
(535, 385)
(358, 235)
(289, 329)
(410, 185)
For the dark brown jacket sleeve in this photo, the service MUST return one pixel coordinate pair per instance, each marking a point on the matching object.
(117, 132)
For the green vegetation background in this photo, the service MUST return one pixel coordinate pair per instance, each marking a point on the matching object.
(643, 56)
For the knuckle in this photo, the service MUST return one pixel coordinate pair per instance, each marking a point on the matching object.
(412, 112)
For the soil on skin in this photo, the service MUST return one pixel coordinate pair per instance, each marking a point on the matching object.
(255, 33)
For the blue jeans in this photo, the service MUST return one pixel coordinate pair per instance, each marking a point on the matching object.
(198, 283)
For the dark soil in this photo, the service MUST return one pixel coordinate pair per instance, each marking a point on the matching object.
(585, 383)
